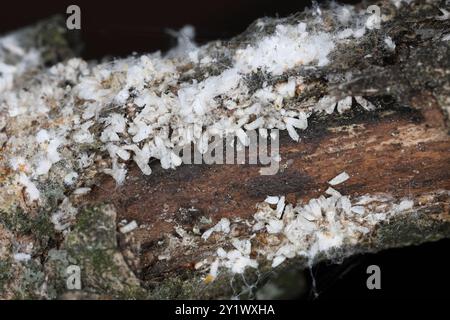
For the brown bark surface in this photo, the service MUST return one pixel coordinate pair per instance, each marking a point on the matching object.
(400, 151)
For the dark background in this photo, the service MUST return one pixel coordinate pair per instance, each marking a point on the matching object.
(118, 28)
(416, 272)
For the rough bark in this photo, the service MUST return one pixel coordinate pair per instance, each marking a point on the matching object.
(401, 149)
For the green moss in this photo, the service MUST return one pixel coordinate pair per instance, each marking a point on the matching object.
(176, 287)
(16, 220)
(190, 285)
(30, 282)
(93, 222)
(5, 273)
(43, 228)
(58, 43)
(133, 293)
(403, 232)
(102, 260)
(93, 246)
(53, 192)
(85, 219)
